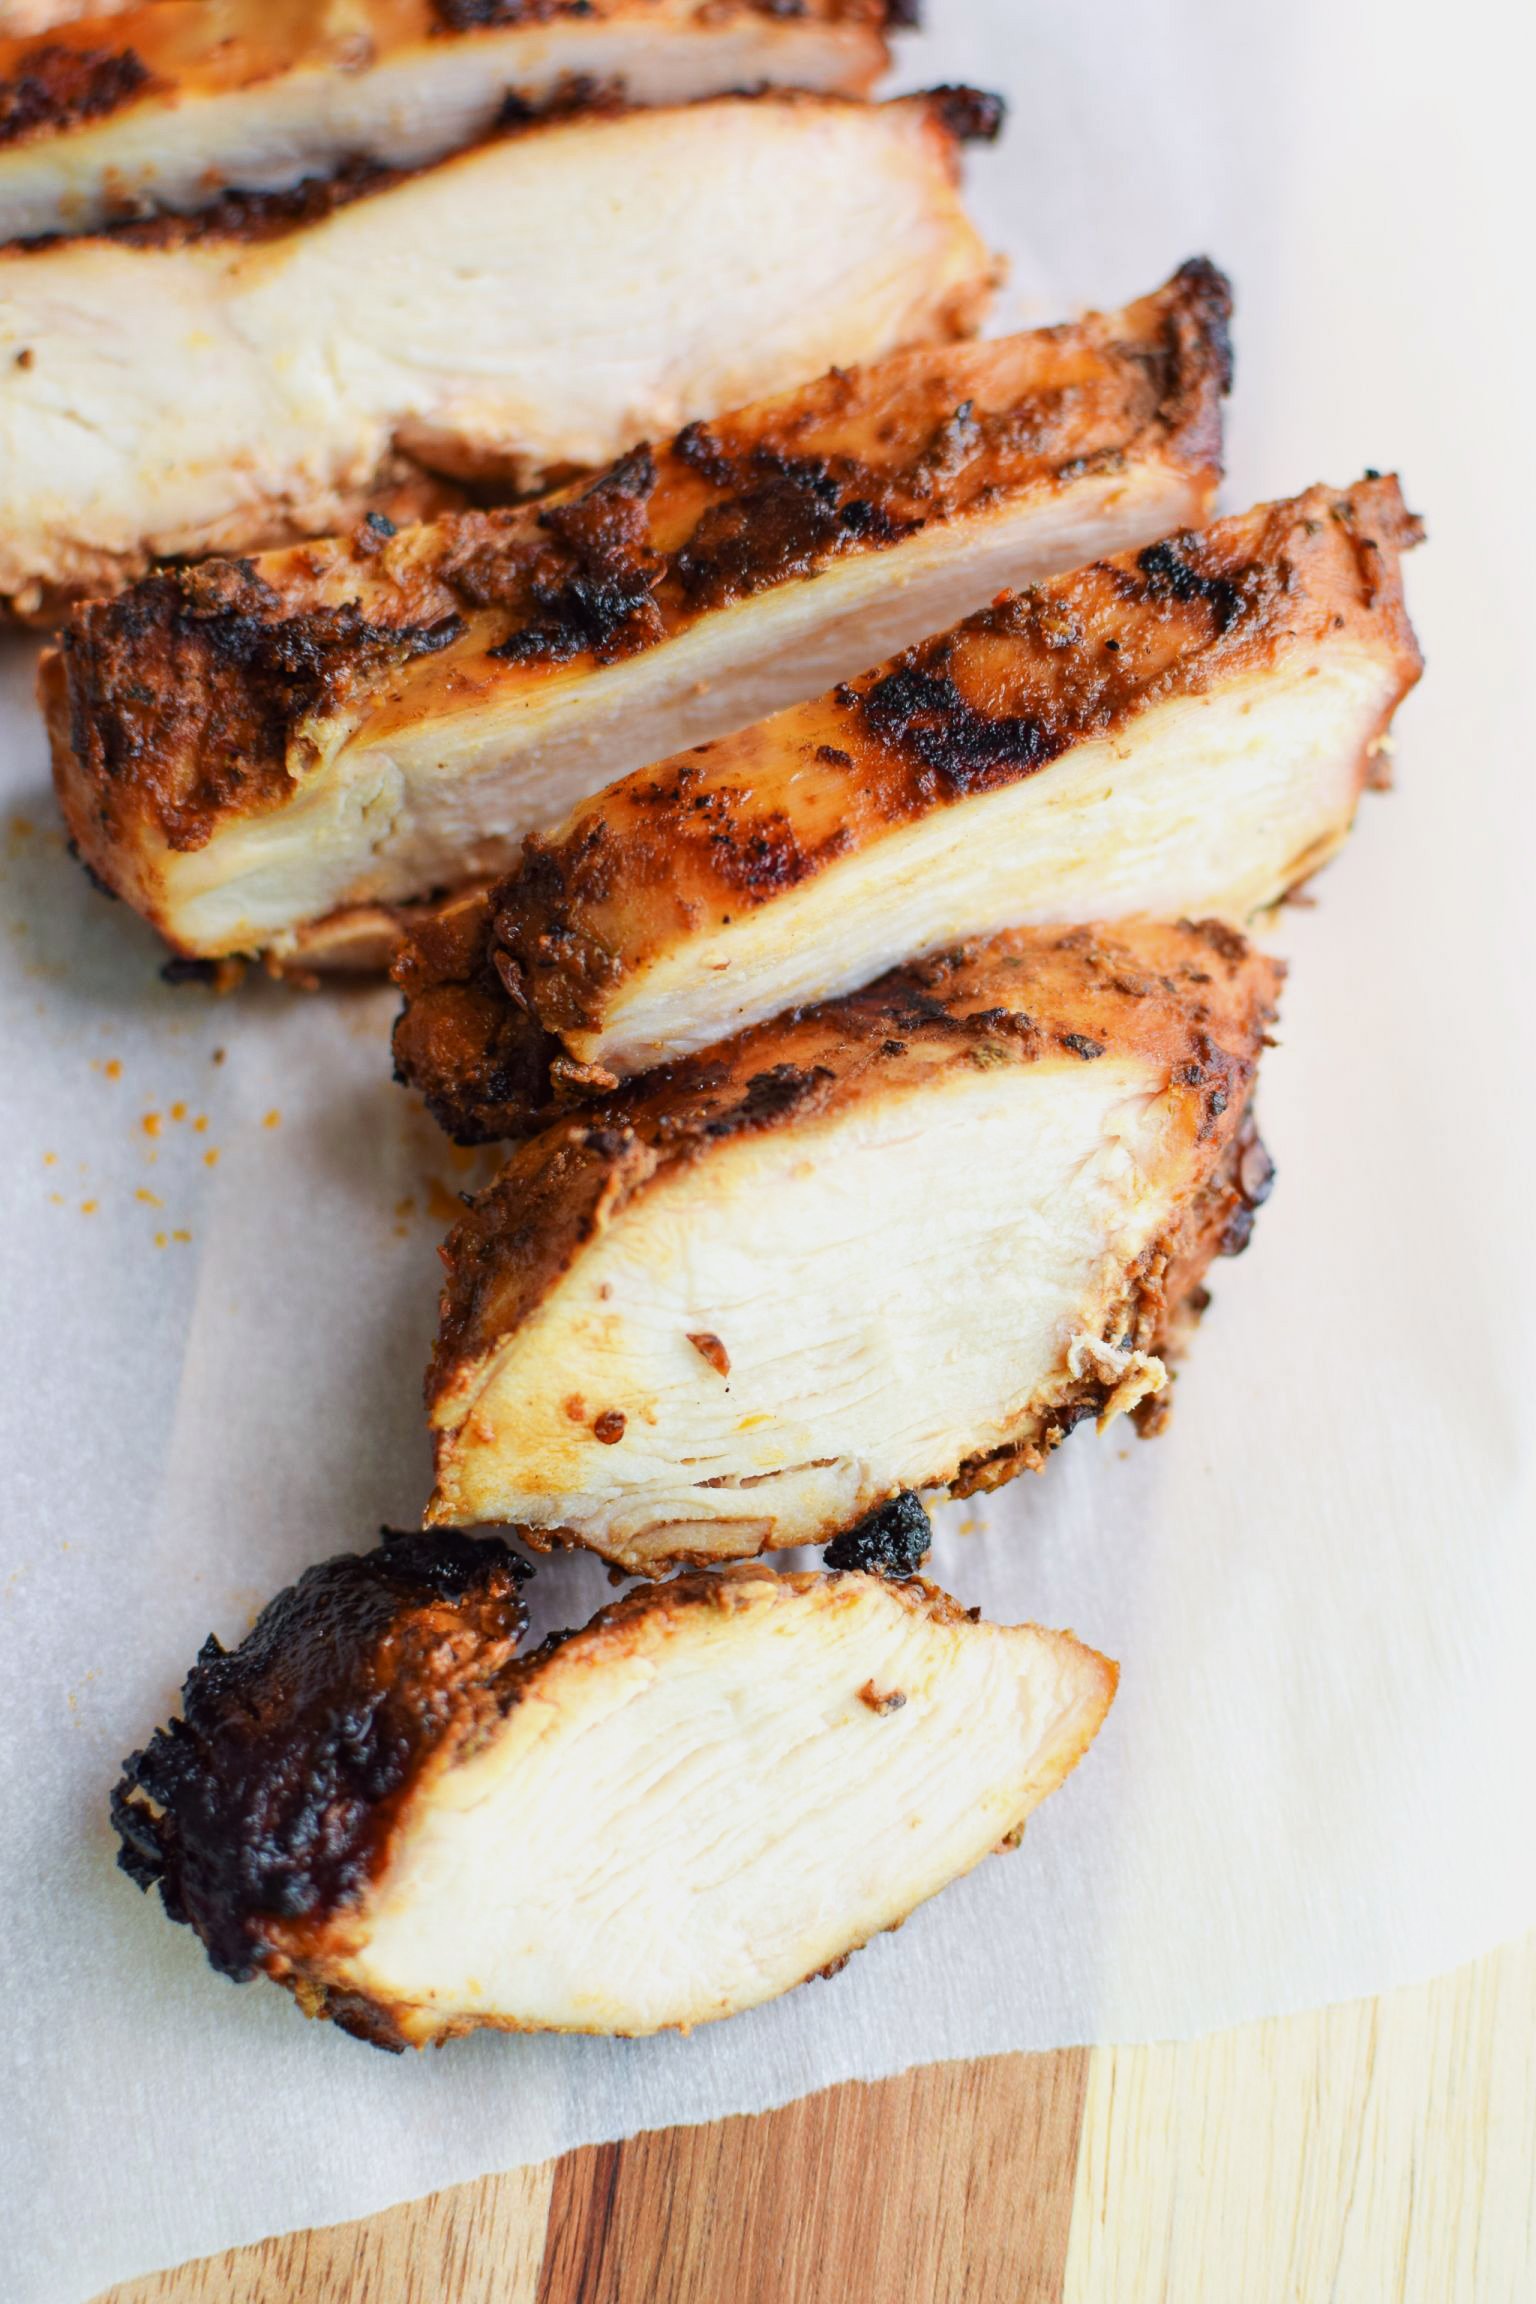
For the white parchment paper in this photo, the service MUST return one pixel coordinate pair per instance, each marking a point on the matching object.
(1317, 1779)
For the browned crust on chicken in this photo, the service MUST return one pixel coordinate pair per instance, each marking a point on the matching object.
(265, 1812)
(272, 1801)
(58, 84)
(1193, 998)
(183, 703)
(493, 988)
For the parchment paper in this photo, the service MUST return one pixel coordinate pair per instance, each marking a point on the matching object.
(1317, 1779)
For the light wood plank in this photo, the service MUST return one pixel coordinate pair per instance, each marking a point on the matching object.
(954, 2182)
(471, 2244)
(1380, 2153)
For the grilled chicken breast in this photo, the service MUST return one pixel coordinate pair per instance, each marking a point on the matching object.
(1183, 731)
(901, 1241)
(721, 1787)
(166, 106)
(527, 308)
(270, 756)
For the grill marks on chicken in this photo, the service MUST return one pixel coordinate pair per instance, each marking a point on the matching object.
(931, 1226)
(263, 754)
(1184, 730)
(167, 103)
(502, 1843)
(518, 312)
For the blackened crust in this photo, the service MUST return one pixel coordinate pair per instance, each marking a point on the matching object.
(894, 1540)
(207, 676)
(63, 87)
(270, 1803)
(243, 216)
(970, 115)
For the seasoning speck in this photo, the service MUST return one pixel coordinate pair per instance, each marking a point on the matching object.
(709, 1347)
(273, 1119)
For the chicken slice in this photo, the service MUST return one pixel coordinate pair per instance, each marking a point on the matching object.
(902, 1241)
(527, 308)
(167, 106)
(266, 756)
(719, 1788)
(1184, 731)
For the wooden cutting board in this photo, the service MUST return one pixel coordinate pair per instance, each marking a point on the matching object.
(1380, 2153)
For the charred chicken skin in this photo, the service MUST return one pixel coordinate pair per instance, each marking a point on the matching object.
(720, 1787)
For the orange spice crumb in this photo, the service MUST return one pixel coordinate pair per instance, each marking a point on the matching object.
(179, 1235)
(211, 1156)
(273, 1119)
(161, 1238)
(150, 1123)
(50, 1159)
(200, 1124)
(178, 1111)
(150, 1199)
(88, 1207)
(57, 1198)
(113, 1068)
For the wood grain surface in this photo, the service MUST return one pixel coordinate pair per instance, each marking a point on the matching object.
(1380, 2151)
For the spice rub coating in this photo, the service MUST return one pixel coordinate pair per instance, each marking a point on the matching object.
(173, 711)
(476, 1827)
(269, 1804)
(1188, 1005)
(515, 1004)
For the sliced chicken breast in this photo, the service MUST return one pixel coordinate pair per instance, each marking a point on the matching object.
(901, 1241)
(721, 1787)
(528, 308)
(1182, 731)
(166, 106)
(268, 756)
